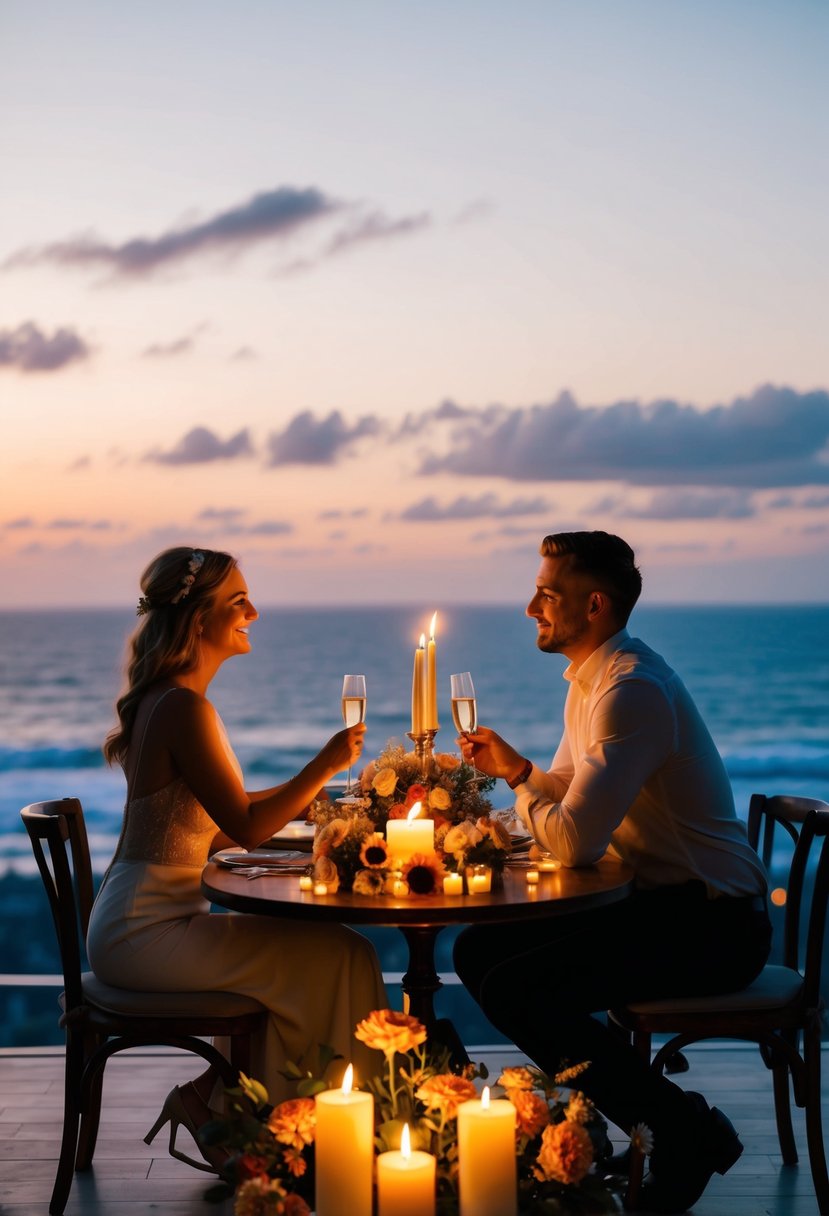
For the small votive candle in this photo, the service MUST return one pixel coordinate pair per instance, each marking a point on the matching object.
(453, 884)
(532, 877)
(480, 880)
(400, 888)
(320, 888)
(548, 864)
(306, 882)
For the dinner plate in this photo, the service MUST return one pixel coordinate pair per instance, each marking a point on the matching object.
(260, 857)
(295, 835)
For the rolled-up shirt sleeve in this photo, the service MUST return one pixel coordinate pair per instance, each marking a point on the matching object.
(574, 808)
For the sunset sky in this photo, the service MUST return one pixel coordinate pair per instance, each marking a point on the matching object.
(376, 294)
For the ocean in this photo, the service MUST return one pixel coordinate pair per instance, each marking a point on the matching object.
(760, 676)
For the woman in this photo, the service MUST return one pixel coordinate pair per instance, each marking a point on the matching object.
(150, 926)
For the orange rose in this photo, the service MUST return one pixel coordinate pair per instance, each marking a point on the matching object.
(531, 1110)
(566, 1153)
(445, 1093)
(293, 1122)
(398, 811)
(388, 1031)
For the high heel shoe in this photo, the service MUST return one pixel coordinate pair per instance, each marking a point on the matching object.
(176, 1114)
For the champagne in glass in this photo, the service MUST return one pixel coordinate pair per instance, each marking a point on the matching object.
(464, 707)
(354, 708)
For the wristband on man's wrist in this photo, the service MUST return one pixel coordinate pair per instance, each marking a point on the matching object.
(526, 769)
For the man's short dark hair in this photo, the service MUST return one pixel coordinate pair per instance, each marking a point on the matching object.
(606, 558)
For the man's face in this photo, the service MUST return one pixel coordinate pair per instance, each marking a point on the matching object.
(560, 606)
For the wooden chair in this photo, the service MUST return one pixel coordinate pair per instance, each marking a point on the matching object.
(99, 1020)
(782, 1009)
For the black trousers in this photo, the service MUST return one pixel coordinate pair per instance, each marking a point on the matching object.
(540, 984)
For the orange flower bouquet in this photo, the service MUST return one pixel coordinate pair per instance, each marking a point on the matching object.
(559, 1135)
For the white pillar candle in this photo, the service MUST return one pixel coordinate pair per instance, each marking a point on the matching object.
(453, 884)
(487, 1179)
(405, 837)
(419, 687)
(431, 716)
(406, 1181)
(344, 1151)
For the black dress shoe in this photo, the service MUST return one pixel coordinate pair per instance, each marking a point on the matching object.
(677, 1180)
(619, 1164)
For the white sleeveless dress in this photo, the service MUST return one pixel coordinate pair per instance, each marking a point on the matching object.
(152, 929)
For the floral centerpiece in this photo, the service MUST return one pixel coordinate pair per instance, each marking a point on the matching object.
(560, 1137)
(350, 849)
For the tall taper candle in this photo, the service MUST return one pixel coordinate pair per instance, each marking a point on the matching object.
(418, 688)
(431, 722)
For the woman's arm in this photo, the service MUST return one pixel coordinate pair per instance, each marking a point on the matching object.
(198, 753)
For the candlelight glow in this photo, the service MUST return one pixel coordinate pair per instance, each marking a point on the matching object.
(485, 1098)
(406, 1142)
(432, 627)
(414, 813)
(348, 1079)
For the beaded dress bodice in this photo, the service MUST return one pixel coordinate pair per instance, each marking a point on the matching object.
(169, 827)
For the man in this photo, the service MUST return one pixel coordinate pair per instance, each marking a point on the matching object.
(636, 773)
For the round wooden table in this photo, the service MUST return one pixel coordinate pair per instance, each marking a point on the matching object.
(421, 918)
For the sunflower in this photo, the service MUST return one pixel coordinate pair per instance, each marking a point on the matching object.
(424, 873)
(375, 852)
(369, 882)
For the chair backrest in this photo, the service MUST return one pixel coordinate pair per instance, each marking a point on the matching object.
(67, 877)
(806, 822)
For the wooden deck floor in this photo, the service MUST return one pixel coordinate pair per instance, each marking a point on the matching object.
(131, 1179)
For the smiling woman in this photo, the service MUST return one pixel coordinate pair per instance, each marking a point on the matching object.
(150, 927)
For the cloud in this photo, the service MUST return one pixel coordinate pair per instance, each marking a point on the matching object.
(485, 505)
(373, 227)
(200, 446)
(775, 437)
(306, 440)
(168, 350)
(222, 515)
(28, 349)
(273, 214)
(243, 354)
(690, 504)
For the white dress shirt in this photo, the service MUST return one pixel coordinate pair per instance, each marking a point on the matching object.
(637, 772)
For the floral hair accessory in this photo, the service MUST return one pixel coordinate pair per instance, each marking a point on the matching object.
(144, 606)
(193, 567)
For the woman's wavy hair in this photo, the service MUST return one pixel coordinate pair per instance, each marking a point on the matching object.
(172, 608)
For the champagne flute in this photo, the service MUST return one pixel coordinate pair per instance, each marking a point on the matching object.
(464, 708)
(354, 709)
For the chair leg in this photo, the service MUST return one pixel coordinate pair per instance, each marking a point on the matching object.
(90, 1121)
(814, 1124)
(783, 1112)
(71, 1117)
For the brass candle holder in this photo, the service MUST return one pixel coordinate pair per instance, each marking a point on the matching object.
(424, 748)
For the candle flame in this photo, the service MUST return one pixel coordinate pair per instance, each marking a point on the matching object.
(348, 1079)
(414, 813)
(422, 642)
(485, 1098)
(406, 1142)
(432, 627)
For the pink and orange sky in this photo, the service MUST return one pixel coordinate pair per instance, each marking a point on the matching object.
(376, 294)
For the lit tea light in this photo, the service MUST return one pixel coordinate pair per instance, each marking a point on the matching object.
(480, 880)
(306, 882)
(532, 877)
(548, 865)
(453, 884)
(320, 888)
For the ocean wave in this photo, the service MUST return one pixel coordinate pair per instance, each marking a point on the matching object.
(793, 760)
(13, 758)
